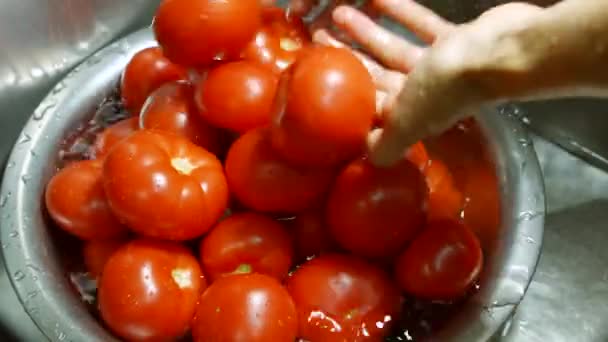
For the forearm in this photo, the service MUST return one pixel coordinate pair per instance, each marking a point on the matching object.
(562, 51)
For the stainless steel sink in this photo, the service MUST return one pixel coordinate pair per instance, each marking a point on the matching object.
(568, 299)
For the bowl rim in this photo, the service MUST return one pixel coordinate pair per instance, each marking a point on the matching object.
(45, 292)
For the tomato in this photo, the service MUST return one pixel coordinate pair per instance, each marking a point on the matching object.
(342, 298)
(481, 212)
(328, 110)
(114, 134)
(374, 212)
(238, 96)
(245, 307)
(197, 32)
(171, 108)
(97, 252)
(245, 243)
(149, 290)
(277, 44)
(442, 263)
(76, 201)
(445, 200)
(162, 185)
(418, 155)
(147, 70)
(311, 235)
(261, 180)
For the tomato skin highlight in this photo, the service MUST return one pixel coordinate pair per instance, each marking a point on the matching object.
(442, 263)
(171, 108)
(77, 203)
(114, 134)
(227, 26)
(325, 108)
(147, 70)
(278, 42)
(247, 242)
(375, 212)
(149, 290)
(238, 96)
(344, 298)
(263, 181)
(245, 307)
(163, 186)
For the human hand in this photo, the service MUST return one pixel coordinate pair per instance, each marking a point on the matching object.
(423, 90)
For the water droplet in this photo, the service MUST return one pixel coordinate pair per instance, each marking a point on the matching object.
(61, 336)
(4, 200)
(33, 311)
(58, 88)
(33, 153)
(41, 112)
(525, 142)
(18, 276)
(530, 239)
(31, 295)
(25, 138)
(4, 246)
(10, 165)
(33, 267)
(95, 59)
(525, 120)
(26, 178)
(14, 234)
(529, 215)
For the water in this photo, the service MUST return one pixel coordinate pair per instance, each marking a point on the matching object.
(19, 276)
(42, 110)
(529, 215)
(4, 200)
(25, 138)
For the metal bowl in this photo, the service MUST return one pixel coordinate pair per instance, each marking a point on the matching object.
(37, 275)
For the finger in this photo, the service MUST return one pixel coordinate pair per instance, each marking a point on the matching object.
(390, 49)
(420, 20)
(385, 80)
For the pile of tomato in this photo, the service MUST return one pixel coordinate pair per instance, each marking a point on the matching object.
(235, 201)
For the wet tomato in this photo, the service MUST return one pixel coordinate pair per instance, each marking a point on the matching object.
(311, 235)
(171, 108)
(114, 134)
(245, 307)
(147, 70)
(97, 252)
(261, 180)
(481, 211)
(328, 109)
(374, 212)
(245, 243)
(442, 263)
(76, 201)
(342, 298)
(277, 44)
(445, 200)
(149, 290)
(418, 155)
(198, 32)
(237, 96)
(162, 185)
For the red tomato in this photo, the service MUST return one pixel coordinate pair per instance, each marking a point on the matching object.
(442, 263)
(418, 156)
(76, 201)
(238, 96)
(374, 212)
(445, 200)
(147, 70)
(149, 291)
(114, 134)
(277, 44)
(96, 253)
(245, 243)
(481, 210)
(329, 107)
(162, 185)
(171, 108)
(198, 32)
(311, 235)
(264, 182)
(245, 307)
(342, 298)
